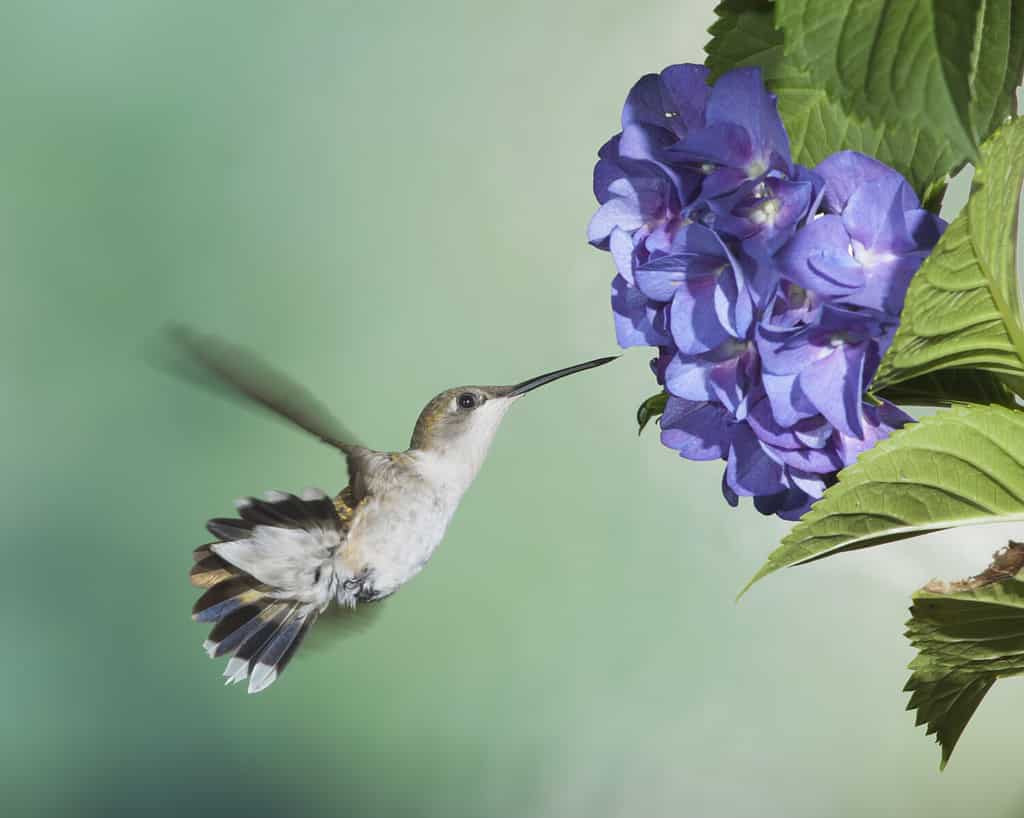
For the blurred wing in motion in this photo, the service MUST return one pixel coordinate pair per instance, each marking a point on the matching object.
(225, 367)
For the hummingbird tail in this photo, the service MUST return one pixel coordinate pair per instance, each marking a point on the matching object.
(267, 580)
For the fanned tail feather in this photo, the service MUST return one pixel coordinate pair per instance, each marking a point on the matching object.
(263, 645)
(266, 581)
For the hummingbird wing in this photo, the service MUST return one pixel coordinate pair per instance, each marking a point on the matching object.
(269, 575)
(217, 364)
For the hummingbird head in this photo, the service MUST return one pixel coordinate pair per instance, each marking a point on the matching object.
(460, 423)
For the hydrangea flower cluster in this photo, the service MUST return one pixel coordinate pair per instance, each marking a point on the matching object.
(770, 290)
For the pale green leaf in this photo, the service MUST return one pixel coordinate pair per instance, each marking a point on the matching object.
(960, 467)
(962, 308)
(967, 634)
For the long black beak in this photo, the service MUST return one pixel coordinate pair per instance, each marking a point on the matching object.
(540, 380)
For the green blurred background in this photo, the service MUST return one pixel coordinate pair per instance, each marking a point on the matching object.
(387, 199)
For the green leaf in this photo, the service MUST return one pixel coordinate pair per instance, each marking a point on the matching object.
(744, 35)
(949, 387)
(902, 64)
(998, 60)
(967, 634)
(961, 467)
(962, 308)
(650, 408)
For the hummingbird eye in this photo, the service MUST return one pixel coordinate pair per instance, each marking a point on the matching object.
(467, 400)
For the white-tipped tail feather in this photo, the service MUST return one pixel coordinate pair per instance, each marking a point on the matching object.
(268, 577)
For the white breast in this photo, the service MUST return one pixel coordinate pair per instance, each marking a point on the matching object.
(397, 528)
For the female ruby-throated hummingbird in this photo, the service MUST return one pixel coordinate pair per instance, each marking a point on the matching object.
(271, 572)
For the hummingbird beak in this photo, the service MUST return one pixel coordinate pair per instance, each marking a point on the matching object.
(540, 380)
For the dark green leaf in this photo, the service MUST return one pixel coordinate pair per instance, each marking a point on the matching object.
(948, 387)
(650, 408)
(967, 634)
(900, 64)
(743, 34)
(960, 467)
(998, 61)
(962, 308)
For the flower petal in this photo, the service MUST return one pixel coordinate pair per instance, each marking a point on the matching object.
(698, 240)
(789, 350)
(730, 385)
(817, 183)
(810, 461)
(644, 103)
(844, 172)
(879, 423)
(811, 484)
(837, 267)
(925, 228)
(769, 209)
(620, 244)
(739, 97)
(875, 215)
(789, 404)
(686, 89)
(730, 496)
(694, 252)
(792, 201)
(689, 377)
(724, 143)
(886, 280)
(749, 470)
(722, 181)
(728, 289)
(617, 212)
(759, 270)
(637, 323)
(833, 385)
(824, 240)
(644, 142)
(790, 504)
(698, 430)
(812, 432)
(694, 321)
(659, 279)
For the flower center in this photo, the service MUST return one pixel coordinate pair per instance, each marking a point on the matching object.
(766, 212)
(837, 339)
(733, 348)
(756, 168)
(869, 257)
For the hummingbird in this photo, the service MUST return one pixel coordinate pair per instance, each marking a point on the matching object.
(286, 558)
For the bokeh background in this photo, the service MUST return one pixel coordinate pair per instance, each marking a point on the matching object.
(387, 199)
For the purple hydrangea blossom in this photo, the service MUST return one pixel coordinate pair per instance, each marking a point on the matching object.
(742, 138)
(770, 290)
(822, 367)
(702, 285)
(873, 236)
